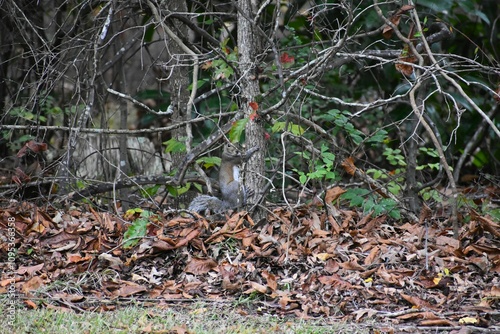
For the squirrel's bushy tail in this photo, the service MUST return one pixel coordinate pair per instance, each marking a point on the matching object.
(204, 203)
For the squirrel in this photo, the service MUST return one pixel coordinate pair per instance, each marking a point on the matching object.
(233, 196)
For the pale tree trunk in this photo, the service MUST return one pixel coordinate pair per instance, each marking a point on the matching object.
(176, 76)
(248, 48)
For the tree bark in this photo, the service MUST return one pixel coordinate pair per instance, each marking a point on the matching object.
(176, 76)
(249, 47)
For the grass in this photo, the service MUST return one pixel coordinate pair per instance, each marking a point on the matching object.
(199, 318)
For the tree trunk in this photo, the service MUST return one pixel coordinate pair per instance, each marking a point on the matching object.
(249, 47)
(177, 77)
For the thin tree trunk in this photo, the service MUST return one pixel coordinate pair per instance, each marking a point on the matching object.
(249, 47)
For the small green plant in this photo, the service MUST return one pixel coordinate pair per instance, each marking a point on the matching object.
(341, 121)
(138, 228)
(323, 169)
(221, 69)
(369, 202)
(394, 157)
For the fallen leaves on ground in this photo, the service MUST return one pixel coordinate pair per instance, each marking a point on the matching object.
(304, 263)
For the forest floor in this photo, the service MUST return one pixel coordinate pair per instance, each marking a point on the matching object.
(306, 268)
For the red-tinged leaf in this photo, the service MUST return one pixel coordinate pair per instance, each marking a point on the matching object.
(254, 116)
(267, 136)
(254, 105)
(32, 146)
(36, 147)
(285, 58)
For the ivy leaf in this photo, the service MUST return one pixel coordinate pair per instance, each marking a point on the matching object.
(137, 230)
(208, 162)
(177, 191)
(150, 191)
(174, 146)
(237, 130)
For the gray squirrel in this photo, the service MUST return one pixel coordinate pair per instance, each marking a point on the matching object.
(233, 196)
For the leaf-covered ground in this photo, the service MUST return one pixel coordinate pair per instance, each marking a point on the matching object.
(343, 266)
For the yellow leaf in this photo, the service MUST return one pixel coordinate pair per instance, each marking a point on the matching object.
(468, 320)
(323, 256)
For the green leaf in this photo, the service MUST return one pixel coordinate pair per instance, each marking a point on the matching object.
(379, 137)
(494, 213)
(396, 214)
(295, 129)
(198, 187)
(328, 156)
(394, 188)
(208, 162)
(331, 176)
(177, 191)
(174, 146)
(317, 174)
(237, 130)
(357, 139)
(376, 173)
(136, 230)
(278, 127)
(150, 31)
(150, 191)
(357, 201)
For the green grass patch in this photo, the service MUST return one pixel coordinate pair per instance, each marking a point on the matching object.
(198, 318)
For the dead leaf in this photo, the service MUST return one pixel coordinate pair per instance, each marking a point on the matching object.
(256, 287)
(349, 166)
(33, 284)
(30, 270)
(333, 194)
(437, 322)
(128, 289)
(198, 266)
